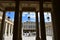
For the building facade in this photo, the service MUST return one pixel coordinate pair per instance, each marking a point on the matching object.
(31, 27)
(28, 28)
(8, 29)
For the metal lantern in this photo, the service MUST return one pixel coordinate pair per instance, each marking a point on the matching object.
(9, 14)
(48, 18)
(29, 16)
(9, 17)
(9, 9)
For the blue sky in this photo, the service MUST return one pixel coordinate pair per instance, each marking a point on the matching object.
(32, 16)
(11, 14)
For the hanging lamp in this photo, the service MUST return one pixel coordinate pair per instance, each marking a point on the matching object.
(48, 18)
(9, 9)
(29, 17)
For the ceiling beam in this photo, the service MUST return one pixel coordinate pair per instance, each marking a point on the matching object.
(26, 0)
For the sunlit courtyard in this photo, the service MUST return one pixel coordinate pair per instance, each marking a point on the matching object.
(26, 37)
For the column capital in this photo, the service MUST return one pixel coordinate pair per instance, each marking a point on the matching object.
(20, 11)
(36, 11)
(2, 9)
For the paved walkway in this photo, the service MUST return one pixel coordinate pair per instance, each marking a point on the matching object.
(25, 38)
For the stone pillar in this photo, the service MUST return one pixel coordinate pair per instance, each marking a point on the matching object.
(6, 29)
(9, 29)
(20, 28)
(42, 23)
(56, 19)
(2, 26)
(16, 21)
(37, 27)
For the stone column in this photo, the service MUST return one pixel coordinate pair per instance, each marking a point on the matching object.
(2, 26)
(42, 23)
(16, 21)
(56, 19)
(6, 29)
(20, 28)
(9, 29)
(37, 27)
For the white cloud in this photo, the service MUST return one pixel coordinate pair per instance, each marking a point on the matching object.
(32, 15)
(33, 20)
(24, 21)
(24, 13)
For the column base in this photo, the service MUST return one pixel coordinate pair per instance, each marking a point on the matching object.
(38, 38)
